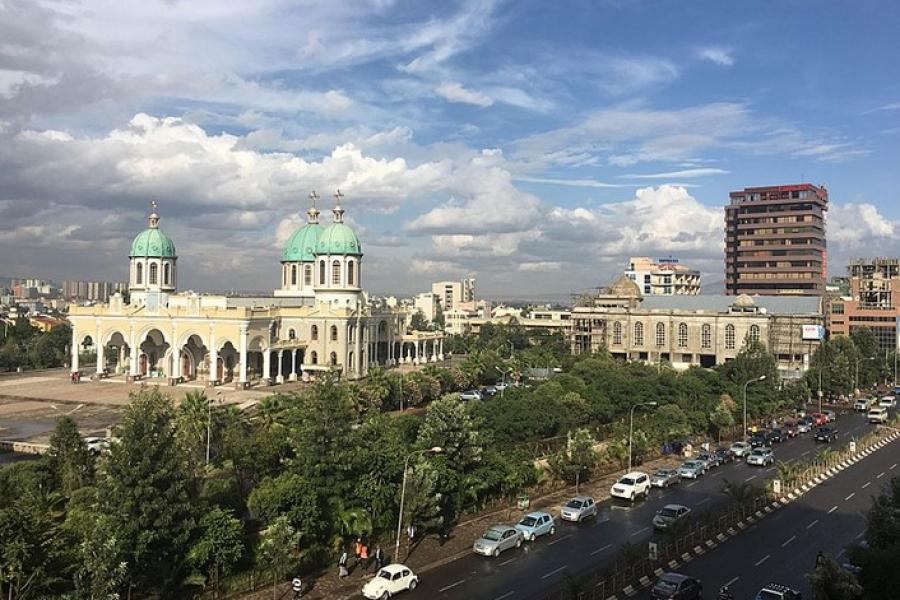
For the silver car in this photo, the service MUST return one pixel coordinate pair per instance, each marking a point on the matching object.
(670, 513)
(663, 478)
(741, 449)
(497, 539)
(691, 469)
(578, 509)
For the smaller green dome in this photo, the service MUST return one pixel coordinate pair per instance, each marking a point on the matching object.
(152, 243)
(301, 246)
(338, 238)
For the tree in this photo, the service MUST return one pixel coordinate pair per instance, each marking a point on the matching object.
(721, 418)
(68, 457)
(830, 582)
(148, 493)
(278, 549)
(577, 459)
(418, 322)
(219, 547)
(102, 570)
(878, 560)
(375, 390)
(191, 421)
(291, 496)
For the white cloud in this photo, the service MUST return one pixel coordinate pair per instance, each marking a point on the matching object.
(455, 92)
(718, 55)
(684, 174)
(588, 183)
(539, 266)
(857, 225)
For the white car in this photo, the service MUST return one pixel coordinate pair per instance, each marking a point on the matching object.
(862, 405)
(578, 509)
(888, 402)
(761, 456)
(470, 395)
(631, 486)
(741, 449)
(877, 414)
(389, 581)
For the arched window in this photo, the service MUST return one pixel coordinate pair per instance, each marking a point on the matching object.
(334, 333)
(292, 335)
(313, 357)
(167, 273)
(729, 337)
(682, 335)
(293, 274)
(139, 277)
(154, 273)
(706, 336)
(754, 333)
(617, 333)
(660, 334)
(307, 275)
(334, 359)
(321, 272)
(350, 274)
(314, 332)
(638, 334)
(336, 273)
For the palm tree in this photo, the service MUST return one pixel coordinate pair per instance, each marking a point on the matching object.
(191, 423)
(269, 413)
(742, 493)
(376, 388)
(351, 522)
(787, 471)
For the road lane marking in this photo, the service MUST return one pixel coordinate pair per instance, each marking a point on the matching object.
(702, 501)
(810, 526)
(893, 466)
(599, 550)
(833, 508)
(762, 560)
(770, 469)
(506, 595)
(640, 531)
(691, 484)
(880, 475)
(850, 496)
(716, 474)
(731, 581)
(866, 484)
(559, 539)
(555, 571)
(453, 585)
(792, 538)
(750, 479)
(506, 562)
(805, 453)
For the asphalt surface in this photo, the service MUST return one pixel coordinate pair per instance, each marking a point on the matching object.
(782, 547)
(541, 565)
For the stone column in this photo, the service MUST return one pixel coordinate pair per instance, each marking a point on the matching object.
(175, 366)
(267, 367)
(101, 358)
(242, 368)
(293, 374)
(75, 347)
(280, 377)
(433, 357)
(441, 350)
(213, 377)
(121, 363)
(135, 356)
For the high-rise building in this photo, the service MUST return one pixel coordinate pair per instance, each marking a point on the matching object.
(663, 277)
(452, 293)
(775, 240)
(873, 301)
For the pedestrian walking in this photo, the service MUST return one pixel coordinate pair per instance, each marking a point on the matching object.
(364, 557)
(379, 557)
(357, 548)
(342, 565)
(297, 587)
(411, 533)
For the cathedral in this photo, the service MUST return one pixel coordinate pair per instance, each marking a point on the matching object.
(318, 320)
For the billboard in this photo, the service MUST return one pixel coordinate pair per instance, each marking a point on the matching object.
(812, 332)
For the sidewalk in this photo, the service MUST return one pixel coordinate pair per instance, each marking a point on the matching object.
(428, 553)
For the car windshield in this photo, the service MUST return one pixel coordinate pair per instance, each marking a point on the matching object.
(662, 473)
(767, 595)
(384, 574)
(626, 481)
(667, 586)
(669, 512)
(689, 465)
(528, 521)
(574, 504)
(759, 452)
(492, 534)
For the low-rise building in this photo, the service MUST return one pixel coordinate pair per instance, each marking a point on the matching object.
(663, 277)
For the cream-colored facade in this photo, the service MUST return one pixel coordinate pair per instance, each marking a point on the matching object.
(319, 321)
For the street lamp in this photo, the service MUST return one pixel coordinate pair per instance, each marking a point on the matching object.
(760, 378)
(503, 381)
(631, 427)
(433, 450)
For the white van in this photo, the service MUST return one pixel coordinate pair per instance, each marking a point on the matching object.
(878, 415)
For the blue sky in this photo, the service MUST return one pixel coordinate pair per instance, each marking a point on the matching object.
(533, 145)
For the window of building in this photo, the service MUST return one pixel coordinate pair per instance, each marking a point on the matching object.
(307, 275)
(617, 333)
(321, 272)
(754, 333)
(314, 332)
(154, 272)
(638, 334)
(350, 274)
(293, 274)
(333, 359)
(729, 337)
(292, 335)
(660, 334)
(139, 276)
(167, 273)
(334, 333)
(336, 273)
(706, 336)
(313, 357)
(682, 335)
(837, 308)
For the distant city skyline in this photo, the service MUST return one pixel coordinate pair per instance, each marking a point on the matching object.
(533, 146)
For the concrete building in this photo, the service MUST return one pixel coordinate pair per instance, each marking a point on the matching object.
(873, 301)
(663, 277)
(451, 294)
(775, 241)
(428, 304)
(701, 330)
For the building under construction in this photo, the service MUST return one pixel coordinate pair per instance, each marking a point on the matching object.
(873, 302)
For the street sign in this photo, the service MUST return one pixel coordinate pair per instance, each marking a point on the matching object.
(852, 446)
(653, 551)
(776, 486)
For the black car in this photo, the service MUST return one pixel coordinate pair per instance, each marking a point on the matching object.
(777, 435)
(725, 455)
(777, 591)
(675, 586)
(760, 438)
(826, 434)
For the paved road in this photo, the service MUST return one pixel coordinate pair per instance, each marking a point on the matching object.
(538, 566)
(782, 547)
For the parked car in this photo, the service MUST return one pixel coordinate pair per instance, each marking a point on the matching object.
(759, 439)
(888, 402)
(669, 514)
(761, 457)
(663, 478)
(578, 509)
(826, 434)
(877, 414)
(691, 469)
(790, 429)
(536, 524)
(777, 435)
(862, 405)
(819, 419)
(725, 455)
(675, 586)
(489, 390)
(389, 581)
(830, 415)
(470, 395)
(96, 445)
(806, 424)
(497, 539)
(741, 449)
(631, 486)
(709, 458)
(777, 591)
(500, 386)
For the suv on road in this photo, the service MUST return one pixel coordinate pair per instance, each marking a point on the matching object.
(761, 457)
(877, 414)
(863, 404)
(760, 439)
(741, 449)
(888, 402)
(470, 395)
(776, 591)
(826, 434)
(675, 586)
(631, 486)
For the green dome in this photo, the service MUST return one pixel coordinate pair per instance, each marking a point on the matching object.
(152, 243)
(337, 238)
(301, 246)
